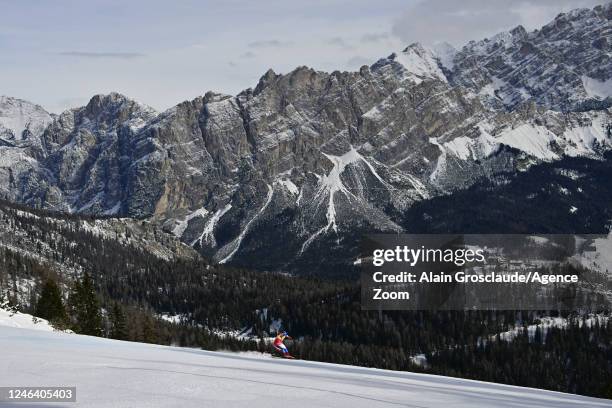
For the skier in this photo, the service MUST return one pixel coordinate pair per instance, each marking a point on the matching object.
(280, 346)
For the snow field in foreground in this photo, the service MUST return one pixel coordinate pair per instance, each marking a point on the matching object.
(110, 373)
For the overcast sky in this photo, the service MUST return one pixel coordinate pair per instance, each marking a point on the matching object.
(60, 53)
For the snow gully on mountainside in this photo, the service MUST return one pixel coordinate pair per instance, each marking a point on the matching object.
(331, 184)
(235, 244)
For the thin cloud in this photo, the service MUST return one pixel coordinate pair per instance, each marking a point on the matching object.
(357, 62)
(374, 37)
(339, 42)
(248, 55)
(94, 54)
(269, 44)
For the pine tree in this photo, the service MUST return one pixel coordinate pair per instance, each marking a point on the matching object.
(50, 305)
(118, 322)
(149, 331)
(85, 308)
(607, 391)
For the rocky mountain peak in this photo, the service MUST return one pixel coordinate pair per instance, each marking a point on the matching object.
(115, 107)
(300, 77)
(604, 10)
(21, 120)
(445, 53)
(416, 47)
(420, 63)
(266, 79)
(210, 97)
(102, 102)
(518, 31)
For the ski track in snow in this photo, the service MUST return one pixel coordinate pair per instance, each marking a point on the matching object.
(110, 373)
(238, 240)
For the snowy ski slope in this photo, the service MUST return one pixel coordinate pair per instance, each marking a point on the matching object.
(110, 373)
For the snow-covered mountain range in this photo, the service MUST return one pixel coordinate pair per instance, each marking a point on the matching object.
(298, 167)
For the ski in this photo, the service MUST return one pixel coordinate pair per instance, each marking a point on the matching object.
(287, 357)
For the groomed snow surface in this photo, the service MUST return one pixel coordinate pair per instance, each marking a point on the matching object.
(117, 374)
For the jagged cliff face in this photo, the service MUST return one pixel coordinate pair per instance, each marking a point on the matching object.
(564, 66)
(21, 127)
(290, 173)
